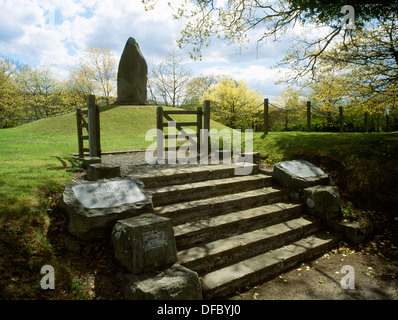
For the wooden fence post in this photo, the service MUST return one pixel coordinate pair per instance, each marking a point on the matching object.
(266, 123)
(79, 133)
(92, 126)
(308, 116)
(98, 130)
(206, 124)
(198, 130)
(341, 119)
(160, 136)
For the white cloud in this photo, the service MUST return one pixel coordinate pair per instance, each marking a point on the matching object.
(257, 76)
(30, 35)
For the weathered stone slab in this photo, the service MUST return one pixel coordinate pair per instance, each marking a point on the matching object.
(173, 283)
(251, 157)
(87, 161)
(354, 233)
(132, 76)
(323, 201)
(100, 171)
(298, 174)
(144, 243)
(93, 208)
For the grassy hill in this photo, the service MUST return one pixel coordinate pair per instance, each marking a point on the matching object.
(122, 127)
(34, 156)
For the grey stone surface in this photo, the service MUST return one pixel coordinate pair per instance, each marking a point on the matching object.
(132, 75)
(251, 157)
(173, 283)
(90, 160)
(298, 174)
(100, 171)
(323, 201)
(354, 233)
(93, 208)
(144, 243)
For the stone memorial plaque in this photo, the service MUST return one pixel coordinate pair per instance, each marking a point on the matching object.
(302, 169)
(298, 174)
(144, 243)
(153, 239)
(108, 194)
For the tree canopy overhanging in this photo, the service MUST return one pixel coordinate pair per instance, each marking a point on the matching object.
(206, 19)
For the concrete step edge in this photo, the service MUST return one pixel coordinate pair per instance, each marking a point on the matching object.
(225, 281)
(209, 188)
(180, 175)
(193, 233)
(198, 209)
(242, 246)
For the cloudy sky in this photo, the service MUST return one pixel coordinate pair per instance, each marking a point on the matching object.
(57, 32)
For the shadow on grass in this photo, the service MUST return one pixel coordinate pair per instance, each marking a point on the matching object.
(66, 163)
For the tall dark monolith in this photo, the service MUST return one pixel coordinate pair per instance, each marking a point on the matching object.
(132, 75)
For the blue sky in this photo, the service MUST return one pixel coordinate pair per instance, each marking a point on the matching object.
(56, 33)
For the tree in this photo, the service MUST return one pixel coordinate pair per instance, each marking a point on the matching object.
(10, 93)
(369, 56)
(196, 89)
(168, 80)
(207, 19)
(96, 73)
(41, 91)
(232, 101)
(290, 107)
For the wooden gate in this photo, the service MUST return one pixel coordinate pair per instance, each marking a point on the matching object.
(89, 121)
(166, 114)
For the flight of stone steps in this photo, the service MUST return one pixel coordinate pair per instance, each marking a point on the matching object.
(234, 231)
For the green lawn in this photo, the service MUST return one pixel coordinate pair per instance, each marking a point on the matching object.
(35, 156)
(34, 159)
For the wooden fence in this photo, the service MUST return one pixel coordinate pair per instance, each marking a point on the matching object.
(202, 124)
(89, 121)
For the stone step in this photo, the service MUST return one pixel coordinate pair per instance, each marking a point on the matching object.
(199, 209)
(183, 175)
(230, 250)
(205, 230)
(207, 189)
(225, 281)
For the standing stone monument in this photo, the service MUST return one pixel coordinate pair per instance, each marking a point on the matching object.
(132, 76)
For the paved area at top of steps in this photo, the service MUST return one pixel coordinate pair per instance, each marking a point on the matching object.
(209, 188)
(182, 175)
(225, 281)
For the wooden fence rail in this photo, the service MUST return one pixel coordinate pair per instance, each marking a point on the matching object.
(202, 122)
